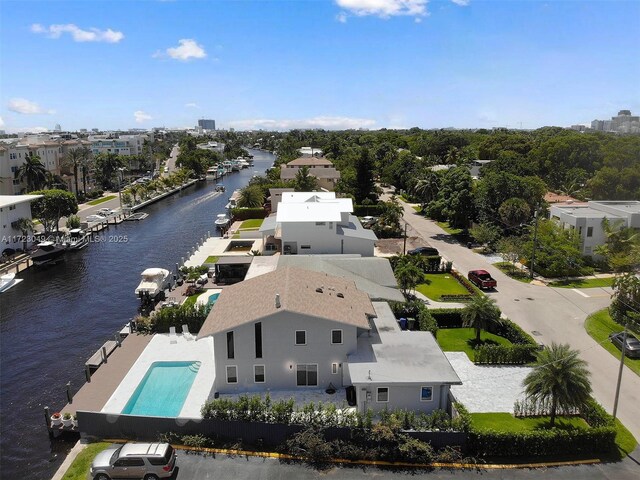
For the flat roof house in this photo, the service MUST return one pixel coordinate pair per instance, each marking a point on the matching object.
(587, 219)
(316, 223)
(319, 167)
(297, 330)
(12, 209)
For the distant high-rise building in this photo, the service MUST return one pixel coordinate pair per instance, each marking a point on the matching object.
(624, 122)
(207, 124)
(57, 128)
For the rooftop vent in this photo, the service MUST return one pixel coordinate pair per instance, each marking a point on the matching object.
(340, 295)
(278, 300)
(319, 289)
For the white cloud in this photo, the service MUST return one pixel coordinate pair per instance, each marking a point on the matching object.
(191, 105)
(187, 49)
(141, 116)
(27, 107)
(384, 8)
(28, 130)
(324, 122)
(78, 34)
(342, 17)
(462, 3)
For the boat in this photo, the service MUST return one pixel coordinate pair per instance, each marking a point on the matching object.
(212, 173)
(222, 221)
(77, 239)
(249, 161)
(154, 281)
(233, 200)
(7, 281)
(220, 187)
(47, 253)
(236, 165)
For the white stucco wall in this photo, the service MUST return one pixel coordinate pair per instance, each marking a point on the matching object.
(9, 237)
(280, 354)
(406, 397)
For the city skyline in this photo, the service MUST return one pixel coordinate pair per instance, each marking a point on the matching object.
(317, 64)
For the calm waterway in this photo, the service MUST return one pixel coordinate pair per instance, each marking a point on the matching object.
(54, 320)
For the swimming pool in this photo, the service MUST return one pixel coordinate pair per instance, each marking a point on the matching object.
(212, 299)
(163, 390)
(208, 298)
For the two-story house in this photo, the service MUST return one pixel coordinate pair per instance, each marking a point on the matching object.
(316, 223)
(319, 167)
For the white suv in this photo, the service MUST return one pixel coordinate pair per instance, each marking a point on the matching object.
(149, 461)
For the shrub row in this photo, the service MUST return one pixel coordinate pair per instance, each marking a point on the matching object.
(368, 210)
(512, 332)
(176, 316)
(542, 442)
(248, 213)
(465, 282)
(530, 407)
(447, 317)
(505, 354)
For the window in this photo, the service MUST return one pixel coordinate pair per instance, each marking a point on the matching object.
(589, 231)
(258, 339)
(307, 375)
(320, 224)
(426, 394)
(232, 374)
(305, 247)
(301, 337)
(258, 373)
(130, 462)
(336, 336)
(230, 349)
(334, 368)
(383, 395)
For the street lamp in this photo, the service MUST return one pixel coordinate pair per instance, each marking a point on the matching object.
(120, 175)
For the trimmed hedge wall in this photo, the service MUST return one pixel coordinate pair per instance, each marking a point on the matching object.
(368, 210)
(248, 213)
(505, 354)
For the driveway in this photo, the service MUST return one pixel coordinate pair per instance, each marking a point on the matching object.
(550, 315)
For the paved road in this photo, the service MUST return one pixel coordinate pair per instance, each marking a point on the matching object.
(171, 161)
(550, 315)
(199, 467)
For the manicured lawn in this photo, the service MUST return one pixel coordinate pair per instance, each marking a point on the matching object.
(449, 230)
(624, 439)
(100, 200)
(191, 299)
(583, 283)
(79, 469)
(417, 208)
(512, 271)
(251, 224)
(463, 340)
(211, 259)
(438, 284)
(599, 325)
(505, 422)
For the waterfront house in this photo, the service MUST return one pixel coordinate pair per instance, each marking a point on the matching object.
(587, 219)
(319, 167)
(316, 223)
(295, 330)
(12, 209)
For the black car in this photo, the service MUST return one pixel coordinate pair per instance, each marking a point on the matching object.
(632, 348)
(426, 251)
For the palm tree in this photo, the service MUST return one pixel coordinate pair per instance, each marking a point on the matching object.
(25, 225)
(305, 182)
(86, 162)
(73, 159)
(559, 376)
(33, 171)
(480, 313)
(426, 187)
(134, 190)
(251, 196)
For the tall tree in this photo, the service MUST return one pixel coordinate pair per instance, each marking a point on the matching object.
(426, 187)
(625, 307)
(365, 186)
(560, 376)
(251, 196)
(33, 171)
(514, 211)
(481, 312)
(304, 181)
(86, 163)
(455, 199)
(73, 159)
(52, 206)
(107, 165)
(621, 249)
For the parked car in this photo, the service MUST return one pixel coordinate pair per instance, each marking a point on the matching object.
(96, 218)
(150, 461)
(368, 221)
(426, 251)
(482, 279)
(632, 347)
(106, 212)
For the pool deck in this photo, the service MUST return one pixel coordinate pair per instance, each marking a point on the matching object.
(94, 395)
(217, 247)
(164, 348)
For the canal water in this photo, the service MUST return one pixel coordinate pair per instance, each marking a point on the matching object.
(57, 317)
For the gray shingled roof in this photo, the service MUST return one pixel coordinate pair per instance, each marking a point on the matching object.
(290, 173)
(254, 299)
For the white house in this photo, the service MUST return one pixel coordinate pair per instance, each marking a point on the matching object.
(587, 219)
(296, 330)
(12, 209)
(316, 223)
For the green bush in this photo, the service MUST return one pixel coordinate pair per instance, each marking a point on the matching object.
(505, 354)
(367, 210)
(191, 315)
(512, 332)
(248, 213)
(447, 317)
(596, 416)
(426, 322)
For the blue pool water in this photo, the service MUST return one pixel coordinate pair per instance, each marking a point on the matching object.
(163, 390)
(213, 298)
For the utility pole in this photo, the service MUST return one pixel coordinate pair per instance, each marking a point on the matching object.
(535, 239)
(624, 345)
(404, 246)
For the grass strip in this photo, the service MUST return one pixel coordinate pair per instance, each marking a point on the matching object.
(599, 325)
(79, 469)
(100, 200)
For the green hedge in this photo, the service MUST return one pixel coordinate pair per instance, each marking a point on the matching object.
(368, 210)
(248, 213)
(542, 442)
(512, 332)
(447, 317)
(505, 354)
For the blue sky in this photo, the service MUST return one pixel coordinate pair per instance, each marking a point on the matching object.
(316, 63)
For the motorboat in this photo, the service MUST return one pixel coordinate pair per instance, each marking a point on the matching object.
(222, 221)
(47, 253)
(77, 239)
(212, 173)
(154, 281)
(220, 187)
(7, 281)
(233, 200)
(236, 165)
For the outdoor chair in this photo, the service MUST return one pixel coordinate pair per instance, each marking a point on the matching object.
(186, 333)
(172, 335)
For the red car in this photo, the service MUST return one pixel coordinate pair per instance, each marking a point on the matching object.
(482, 279)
